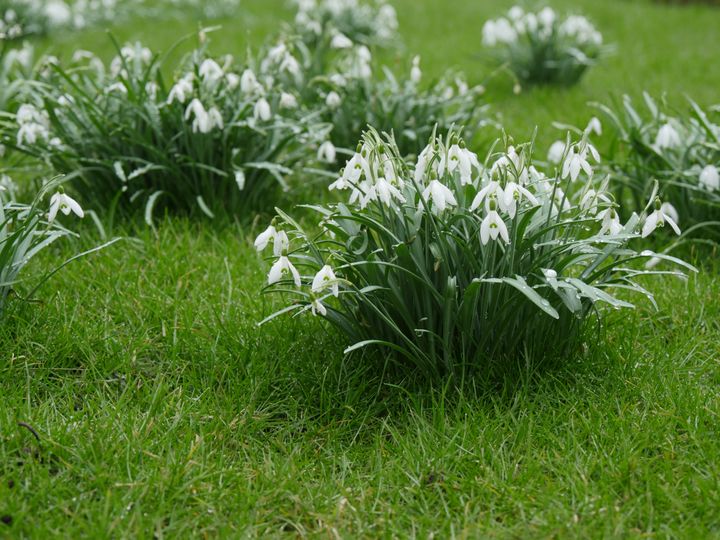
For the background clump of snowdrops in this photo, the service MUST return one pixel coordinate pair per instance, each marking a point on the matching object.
(679, 148)
(543, 47)
(443, 261)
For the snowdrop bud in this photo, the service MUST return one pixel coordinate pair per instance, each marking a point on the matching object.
(667, 137)
(288, 101)
(333, 100)
(415, 72)
(240, 179)
(341, 41)
(517, 89)
(262, 110)
(709, 177)
(248, 82)
(326, 152)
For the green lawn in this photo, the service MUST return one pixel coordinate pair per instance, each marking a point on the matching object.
(163, 410)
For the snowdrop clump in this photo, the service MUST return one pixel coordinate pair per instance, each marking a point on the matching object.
(340, 80)
(215, 137)
(452, 261)
(542, 47)
(372, 23)
(678, 149)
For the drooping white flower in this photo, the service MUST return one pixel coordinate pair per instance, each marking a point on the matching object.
(204, 120)
(594, 126)
(492, 190)
(210, 72)
(249, 84)
(316, 306)
(65, 204)
(462, 159)
(325, 279)
(610, 222)
(262, 111)
(281, 269)
(663, 213)
(513, 195)
(288, 101)
(264, 238)
(667, 137)
(240, 179)
(710, 178)
(592, 199)
(577, 160)
(415, 71)
(546, 17)
(326, 152)
(233, 80)
(493, 226)
(422, 163)
(181, 90)
(353, 171)
(438, 196)
(383, 191)
(341, 41)
(333, 100)
(556, 152)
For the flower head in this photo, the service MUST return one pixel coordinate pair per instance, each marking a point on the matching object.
(65, 204)
(325, 279)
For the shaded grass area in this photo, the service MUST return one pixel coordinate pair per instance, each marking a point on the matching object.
(162, 410)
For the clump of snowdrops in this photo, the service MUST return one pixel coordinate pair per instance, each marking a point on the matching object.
(678, 148)
(28, 229)
(542, 47)
(371, 23)
(451, 263)
(16, 69)
(212, 138)
(338, 78)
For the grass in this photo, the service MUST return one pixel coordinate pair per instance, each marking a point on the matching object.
(162, 410)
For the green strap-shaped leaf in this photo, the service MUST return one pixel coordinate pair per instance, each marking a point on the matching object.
(519, 283)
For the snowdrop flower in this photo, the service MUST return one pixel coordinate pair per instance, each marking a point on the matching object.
(316, 306)
(325, 279)
(383, 191)
(498, 31)
(415, 71)
(326, 152)
(205, 120)
(594, 126)
(233, 80)
(288, 101)
(492, 190)
(280, 269)
(240, 179)
(65, 204)
(341, 41)
(249, 84)
(181, 90)
(117, 87)
(493, 225)
(591, 201)
(610, 222)
(333, 100)
(422, 163)
(664, 212)
(576, 161)
(556, 152)
(513, 194)
(667, 137)
(710, 178)
(280, 240)
(262, 111)
(462, 159)
(264, 238)
(546, 17)
(338, 80)
(353, 171)
(439, 196)
(210, 71)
